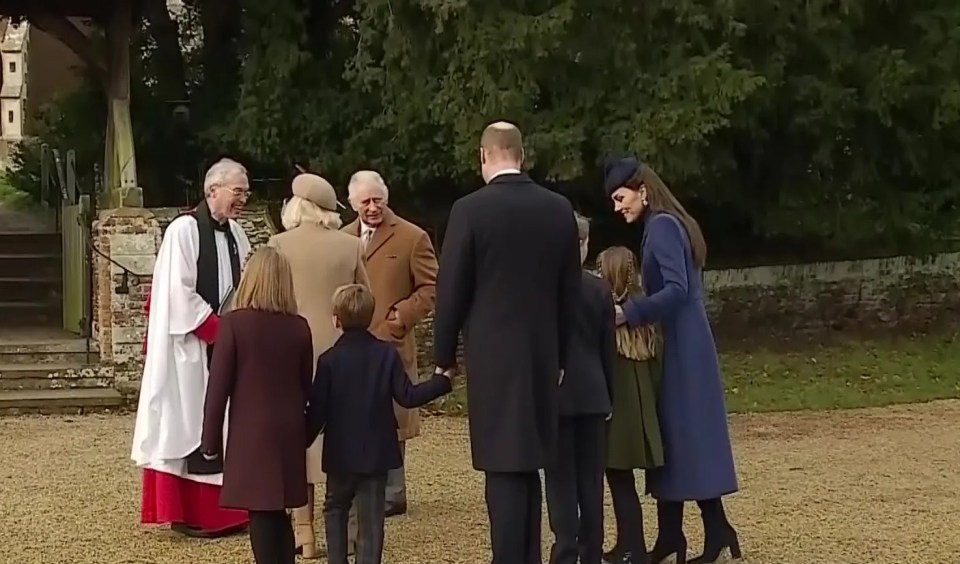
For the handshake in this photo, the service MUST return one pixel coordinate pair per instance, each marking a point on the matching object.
(449, 373)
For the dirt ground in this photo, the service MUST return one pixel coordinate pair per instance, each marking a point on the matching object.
(858, 486)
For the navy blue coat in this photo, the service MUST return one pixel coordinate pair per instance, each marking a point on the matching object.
(352, 397)
(693, 417)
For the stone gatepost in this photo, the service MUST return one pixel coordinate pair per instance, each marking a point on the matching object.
(128, 239)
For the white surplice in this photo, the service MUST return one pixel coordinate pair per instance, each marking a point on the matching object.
(174, 384)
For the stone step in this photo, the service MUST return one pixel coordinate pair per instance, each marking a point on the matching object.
(31, 288)
(53, 377)
(59, 402)
(30, 243)
(28, 265)
(23, 314)
(67, 351)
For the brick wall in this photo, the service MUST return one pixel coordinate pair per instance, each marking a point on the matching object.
(131, 237)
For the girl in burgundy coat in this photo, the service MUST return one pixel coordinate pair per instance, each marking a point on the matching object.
(262, 366)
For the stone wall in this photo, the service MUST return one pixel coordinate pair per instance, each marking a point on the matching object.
(127, 239)
(783, 301)
(766, 302)
(130, 238)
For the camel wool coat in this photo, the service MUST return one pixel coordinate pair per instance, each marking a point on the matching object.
(402, 268)
(321, 261)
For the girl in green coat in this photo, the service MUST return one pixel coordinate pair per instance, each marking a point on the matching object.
(633, 436)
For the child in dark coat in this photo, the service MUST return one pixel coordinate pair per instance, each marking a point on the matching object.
(351, 402)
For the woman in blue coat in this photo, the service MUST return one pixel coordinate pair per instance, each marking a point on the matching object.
(698, 463)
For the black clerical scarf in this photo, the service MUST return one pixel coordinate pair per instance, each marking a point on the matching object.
(208, 286)
(208, 263)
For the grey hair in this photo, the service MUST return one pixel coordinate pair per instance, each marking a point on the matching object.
(583, 226)
(298, 211)
(220, 172)
(368, 177)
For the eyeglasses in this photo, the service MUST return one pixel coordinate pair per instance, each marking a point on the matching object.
(239, 191)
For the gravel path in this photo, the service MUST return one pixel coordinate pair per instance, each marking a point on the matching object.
(842, 487)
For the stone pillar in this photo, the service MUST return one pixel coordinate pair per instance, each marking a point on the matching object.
(129, 238)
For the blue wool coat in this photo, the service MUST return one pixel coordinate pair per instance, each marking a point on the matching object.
(693, 417)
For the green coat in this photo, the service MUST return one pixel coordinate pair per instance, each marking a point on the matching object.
(633, 433)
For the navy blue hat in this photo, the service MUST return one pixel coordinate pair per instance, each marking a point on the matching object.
(618, 170)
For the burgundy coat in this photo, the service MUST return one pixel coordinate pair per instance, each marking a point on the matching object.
(263, 365)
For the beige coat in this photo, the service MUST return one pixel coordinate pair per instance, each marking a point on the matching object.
(402, 267)
(321, 261)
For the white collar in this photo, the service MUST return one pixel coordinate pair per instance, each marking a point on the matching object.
(504, 171)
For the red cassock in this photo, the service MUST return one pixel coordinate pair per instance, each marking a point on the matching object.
(170, 499)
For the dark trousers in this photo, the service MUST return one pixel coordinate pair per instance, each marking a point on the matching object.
(575, 491)
(271, 537)
(397, 483)
(627, 511)
(366, 493)
(513, 507)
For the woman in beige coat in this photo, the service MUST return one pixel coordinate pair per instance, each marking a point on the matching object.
(321, 258)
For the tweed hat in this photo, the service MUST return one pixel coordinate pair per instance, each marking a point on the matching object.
(618, 170)
(317, 190)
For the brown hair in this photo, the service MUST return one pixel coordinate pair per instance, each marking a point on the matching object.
(267, 284)
(661, 199)
(618, 266)
(353, 305)
(503, 137)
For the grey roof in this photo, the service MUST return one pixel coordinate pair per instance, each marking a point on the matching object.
(11, 91)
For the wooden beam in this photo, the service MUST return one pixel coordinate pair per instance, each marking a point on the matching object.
(70, 35)
(73, 8)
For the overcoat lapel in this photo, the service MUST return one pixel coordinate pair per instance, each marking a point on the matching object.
(383, 233)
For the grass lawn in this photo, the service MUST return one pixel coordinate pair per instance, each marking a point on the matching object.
(10, 196)
(848, 374)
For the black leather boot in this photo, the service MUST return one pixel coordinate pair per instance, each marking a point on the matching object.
(719, 535)
(670, 538)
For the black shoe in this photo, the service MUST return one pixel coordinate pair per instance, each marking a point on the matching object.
(661, 552)
(719, 534)
(629, 558)
(396, 509)
(714, 553)
(612, 556)
(670, 538)
(193, 532)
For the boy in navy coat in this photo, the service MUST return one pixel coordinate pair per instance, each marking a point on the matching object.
(351, 402)
(574, 483)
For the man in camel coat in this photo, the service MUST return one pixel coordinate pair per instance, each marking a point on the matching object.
(402, 268)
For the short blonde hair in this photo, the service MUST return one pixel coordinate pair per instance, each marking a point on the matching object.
(267, 284)
(298, 211)
(504, 137)
(353, 305)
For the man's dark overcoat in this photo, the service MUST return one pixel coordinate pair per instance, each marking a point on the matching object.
(509, 279)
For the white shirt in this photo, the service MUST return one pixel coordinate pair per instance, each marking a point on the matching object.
(504, 171)
(366, 233)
